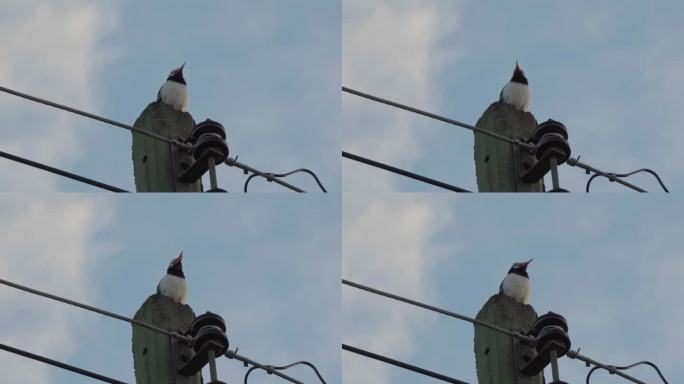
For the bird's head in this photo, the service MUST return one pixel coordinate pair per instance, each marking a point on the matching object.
(520, 267)
(177, 75)
(518, 75)
(176, 266)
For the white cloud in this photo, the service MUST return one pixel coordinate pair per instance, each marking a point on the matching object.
(387, 246)
(388, 49)
(45, 244)
(49, 50)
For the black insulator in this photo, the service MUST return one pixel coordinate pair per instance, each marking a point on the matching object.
(211, 141)
(550, 318)
(207, 319)
(207, 126)
(553, 334)
(549, 126)
(213, 335)
(556, 142)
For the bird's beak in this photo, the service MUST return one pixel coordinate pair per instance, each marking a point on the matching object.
(527, 262)
(516, 65)
(179, 258)
(181, 69)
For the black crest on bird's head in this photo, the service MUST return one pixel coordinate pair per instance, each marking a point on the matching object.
(518, 75)
(176, 266)
(520, 268)
(177, 75)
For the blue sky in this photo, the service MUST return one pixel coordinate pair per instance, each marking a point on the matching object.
(610, 71)
(253, 260)
(611, 265)
(268, 71)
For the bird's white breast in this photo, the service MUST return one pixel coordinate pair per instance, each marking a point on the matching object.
(174, 94)
(517, 287)
(173, 287)
(517, 95)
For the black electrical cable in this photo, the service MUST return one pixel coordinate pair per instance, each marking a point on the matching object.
(59, 364)
(613, 176)
(402, 172)
(401, 364)
(270, 368)
(60, 172)
(93, 116)
(437, 117)
(626, 367)
(438, 310)
(271, 176)
(96, 310)
(231, 162)
(247, 362)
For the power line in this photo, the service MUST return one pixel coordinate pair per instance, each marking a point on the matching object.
(402, 172)
(60, 172)
(618, 368)
(271, 176)
(96, 310)
(611, 369)
(94, 117)
(272, 368)
(438, 310)
(231, 162)
(401, 364)
(58, 364)
(437, 117)
(613, 176)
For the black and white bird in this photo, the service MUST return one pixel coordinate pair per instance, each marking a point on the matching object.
(517, 283)
(517, 92)
(173, 284)
(174, 91)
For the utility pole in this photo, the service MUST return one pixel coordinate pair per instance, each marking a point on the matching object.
(498, 164)
(153, 353)
(157, 165)
(500, 357)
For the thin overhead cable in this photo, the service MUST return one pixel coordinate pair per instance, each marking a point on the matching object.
(94, 309)
(437, 117)
(438, 310)
(271, 176)
(93, 116)
(60, 172)
(402, 172)
(231, 162)
(401, 364)
(59, 364)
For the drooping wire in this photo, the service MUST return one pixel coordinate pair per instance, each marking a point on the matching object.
(96, 310)
(613, 176)
(271, 371)
(232, 162)
(402, 172)
(270, 176)
(94, 117)
(401, 364)
(517, 335)
(270, 368)
(60, 172)
(438, 117)
(626, 367)
(59, 364)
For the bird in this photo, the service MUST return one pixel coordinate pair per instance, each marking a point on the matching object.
(517, 283)
(173, 284)
(517, 92)
(174, 91)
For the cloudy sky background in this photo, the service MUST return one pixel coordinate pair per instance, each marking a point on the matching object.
(611, 265)
(251, 260)
(268, 71)
(610, 71)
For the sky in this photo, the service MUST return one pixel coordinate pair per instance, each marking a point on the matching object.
(611, 265)
(610, 71)
(251, 260)
(268, 71)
